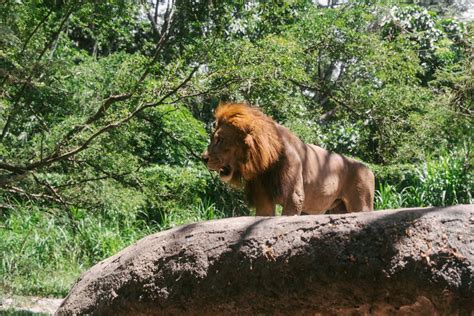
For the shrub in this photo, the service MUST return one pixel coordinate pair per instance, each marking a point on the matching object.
(439, 181)
(178, 195)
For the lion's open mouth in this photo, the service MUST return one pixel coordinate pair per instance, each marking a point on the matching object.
(225, 171)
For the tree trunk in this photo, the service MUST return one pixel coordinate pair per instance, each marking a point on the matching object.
(393, 262)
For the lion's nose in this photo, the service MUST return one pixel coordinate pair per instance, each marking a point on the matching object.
(205, 157)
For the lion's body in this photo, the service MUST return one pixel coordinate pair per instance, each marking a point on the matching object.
(276, 167)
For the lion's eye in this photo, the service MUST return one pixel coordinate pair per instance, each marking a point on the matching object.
(218, 140)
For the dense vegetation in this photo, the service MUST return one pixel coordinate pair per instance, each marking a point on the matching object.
(106, 106)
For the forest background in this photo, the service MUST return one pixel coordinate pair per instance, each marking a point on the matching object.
(105, 107)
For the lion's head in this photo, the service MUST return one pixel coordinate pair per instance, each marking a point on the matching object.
(244, 143)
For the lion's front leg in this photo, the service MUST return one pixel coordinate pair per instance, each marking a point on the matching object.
(266, 210)
(294, 203)
(294, 200)
(264, 206)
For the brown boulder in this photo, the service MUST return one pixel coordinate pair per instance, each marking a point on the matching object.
(394, 262)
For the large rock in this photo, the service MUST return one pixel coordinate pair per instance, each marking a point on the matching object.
(384, 262)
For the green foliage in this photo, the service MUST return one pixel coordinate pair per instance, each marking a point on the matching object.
(45, 249)
(182, 195)
(389, 197)
(42, 252)
(447, 180)
(435, 39)
(440, 181)
(390, 86)
(400, 174)
(345, 136)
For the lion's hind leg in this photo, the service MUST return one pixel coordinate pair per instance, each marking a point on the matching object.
(359, 201)
(360, 194)
(338, 207)
(294, 203)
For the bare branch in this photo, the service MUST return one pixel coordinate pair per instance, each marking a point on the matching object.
(43, 20)
(326, 116)
(157, 2)
(331, 97)
(12, 168)
(120, 177)
(55, 193)
(170, 93)
(11, 177)
(200, 93)
(86, 180)
(6, 207)
(165, 32)
(31, 196)
(350, 109)
(97, 115)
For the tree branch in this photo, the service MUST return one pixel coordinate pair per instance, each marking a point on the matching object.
(15, 107)
(331, 97)
(27, 41)
(30, 196)
(11, 177)
(117, 177)
(121, 97)
(57, 157)
(200, 93)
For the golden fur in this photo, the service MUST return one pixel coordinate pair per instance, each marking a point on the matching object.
(262, 140)
(248, 148)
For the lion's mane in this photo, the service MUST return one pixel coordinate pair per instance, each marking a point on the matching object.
(262, 139)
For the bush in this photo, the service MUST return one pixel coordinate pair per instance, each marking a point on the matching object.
(179, 195)
(439, 181)
(401, 175)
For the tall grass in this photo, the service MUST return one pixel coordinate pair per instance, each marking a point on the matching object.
(204, 210)
(43, 253)
(441, 181)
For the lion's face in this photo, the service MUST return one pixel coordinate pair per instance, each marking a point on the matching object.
(225, 151)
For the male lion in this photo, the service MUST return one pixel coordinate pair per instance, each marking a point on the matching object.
(276, 167)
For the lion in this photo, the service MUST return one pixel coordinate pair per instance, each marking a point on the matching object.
(274, 166)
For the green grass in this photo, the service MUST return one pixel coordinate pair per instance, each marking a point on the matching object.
(440, 181)
(202, 211)
(44, 253)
